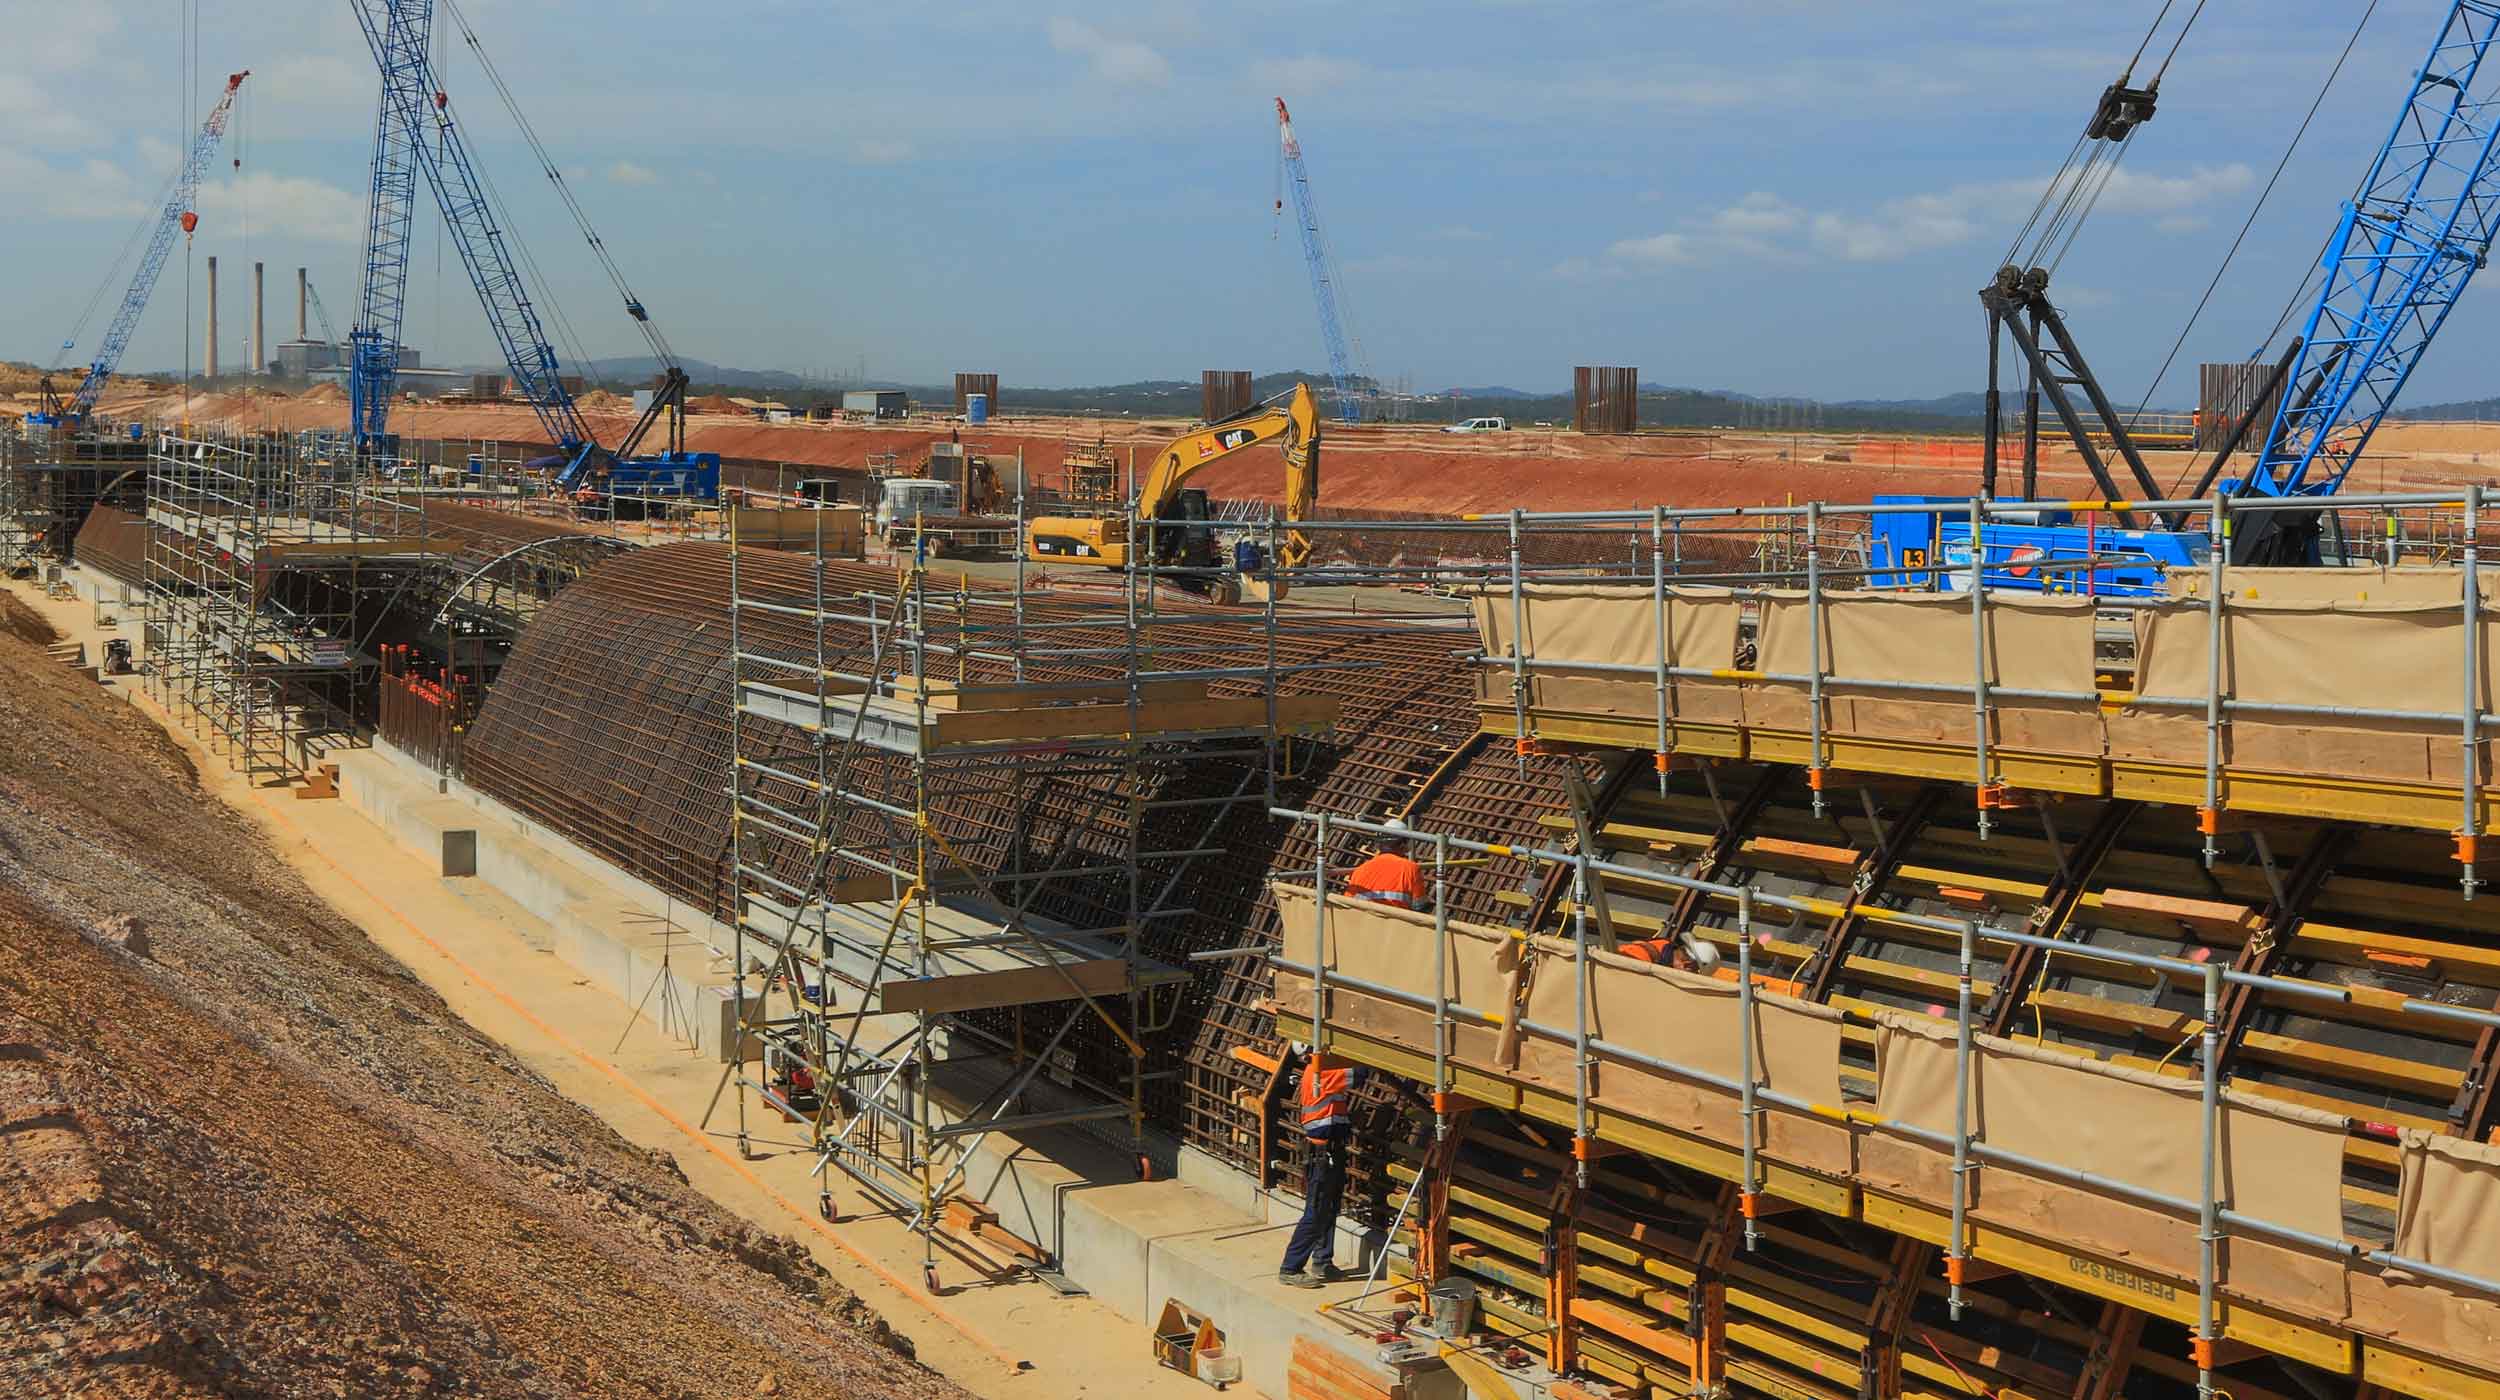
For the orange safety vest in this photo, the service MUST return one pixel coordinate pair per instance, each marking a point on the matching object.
(1648, 950)
(1388, 878)
(1327, 1094)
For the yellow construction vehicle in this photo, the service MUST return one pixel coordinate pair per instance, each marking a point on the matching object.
(1184, 540)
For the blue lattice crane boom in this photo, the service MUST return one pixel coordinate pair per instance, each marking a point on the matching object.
(320, 313)
(1342, 369)
(399, 45)
(397, 32)
(2408, 243)
(175, 218)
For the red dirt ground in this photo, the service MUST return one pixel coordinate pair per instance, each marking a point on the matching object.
(1388, 468)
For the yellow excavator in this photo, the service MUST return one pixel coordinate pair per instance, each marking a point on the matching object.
(1185, 539)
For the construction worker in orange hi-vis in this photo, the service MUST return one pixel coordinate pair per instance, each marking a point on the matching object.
(1390, 877)
(1325, 1096)
(1694, 956)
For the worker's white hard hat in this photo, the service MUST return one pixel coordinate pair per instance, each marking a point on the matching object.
(1705, 953)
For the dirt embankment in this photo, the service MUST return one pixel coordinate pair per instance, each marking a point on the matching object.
(243, 1152)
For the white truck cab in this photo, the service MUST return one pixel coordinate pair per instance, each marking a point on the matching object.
(1480, 425)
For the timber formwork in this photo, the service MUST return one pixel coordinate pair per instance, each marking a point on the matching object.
(2308, 943)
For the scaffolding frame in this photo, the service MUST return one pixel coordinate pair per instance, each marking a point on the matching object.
(261, 556)
(902, 995)
(2216, 1218)
(15, 535)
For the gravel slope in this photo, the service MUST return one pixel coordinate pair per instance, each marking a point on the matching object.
(242, 1152)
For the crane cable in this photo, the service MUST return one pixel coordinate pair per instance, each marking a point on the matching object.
(2090, 164)
(581, 217)
(507, 230)
(2316, 266)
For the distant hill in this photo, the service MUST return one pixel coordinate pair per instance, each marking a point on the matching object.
(2478, 410)
(1963, 405)
(1662, 405)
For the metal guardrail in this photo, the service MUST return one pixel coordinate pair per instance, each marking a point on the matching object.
(2216, 1220)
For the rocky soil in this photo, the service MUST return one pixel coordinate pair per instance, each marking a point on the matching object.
(244, 1152)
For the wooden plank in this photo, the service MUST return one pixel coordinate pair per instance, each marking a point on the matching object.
(1674, 1346)
(1300, 714)
(2351, 1066)
(2335, 943)
(1015, 986)
(1925, 981)
(2206, 917)
(946, 695)
(2122, 1017)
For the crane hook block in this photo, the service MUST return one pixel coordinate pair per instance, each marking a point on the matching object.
(2122, 110)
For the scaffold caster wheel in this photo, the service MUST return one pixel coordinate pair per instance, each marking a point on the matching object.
(928, 1276)
(746, 1153)
(824, 1207)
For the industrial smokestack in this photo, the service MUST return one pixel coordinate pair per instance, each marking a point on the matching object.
(212, 319)
(260, 328)
(303, 331)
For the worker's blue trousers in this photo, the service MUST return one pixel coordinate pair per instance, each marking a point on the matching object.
(1323, 1193)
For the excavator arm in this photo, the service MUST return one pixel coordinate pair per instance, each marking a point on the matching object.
(1296, 421)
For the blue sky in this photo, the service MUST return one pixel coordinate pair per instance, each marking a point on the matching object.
(1772, 196)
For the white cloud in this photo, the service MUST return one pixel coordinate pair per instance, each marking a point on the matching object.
(1764, 227)
(89, 189)
(285, 206)
(1114, 59)
(1660, 249)
(1306, 72)
(625, 172)
(317, 80)
(33, 118)
(871, 150)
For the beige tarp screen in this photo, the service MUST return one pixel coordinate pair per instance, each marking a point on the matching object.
(2393, 656)
(2405, 584)
(2034, 643)
(2447, 1214)
(1692, 1021)
(2279, 1163)
(1393, 947)
(1618, 626)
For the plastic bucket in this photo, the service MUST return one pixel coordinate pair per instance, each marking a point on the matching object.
(1453, 1303)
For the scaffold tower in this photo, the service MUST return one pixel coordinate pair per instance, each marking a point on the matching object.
(913, 979)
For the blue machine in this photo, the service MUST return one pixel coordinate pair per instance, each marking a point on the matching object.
(1342, 370)
(175, 218)
(1911, 549)
(415, 133)
(667, 476)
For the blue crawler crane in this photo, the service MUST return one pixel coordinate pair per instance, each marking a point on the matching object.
(2402, 252)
